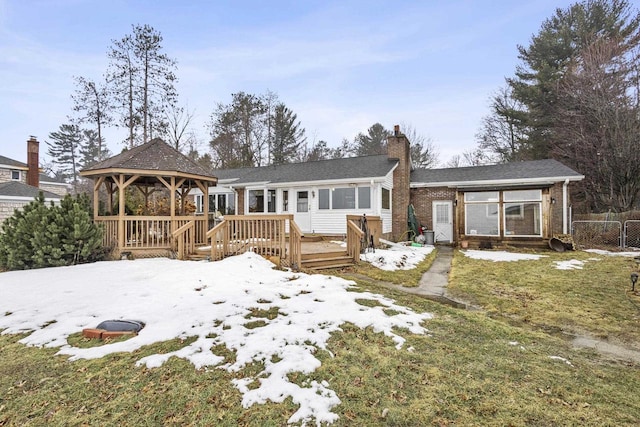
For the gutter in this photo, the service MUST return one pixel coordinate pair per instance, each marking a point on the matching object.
(565, 199)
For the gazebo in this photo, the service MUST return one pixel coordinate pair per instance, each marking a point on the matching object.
(151, 168)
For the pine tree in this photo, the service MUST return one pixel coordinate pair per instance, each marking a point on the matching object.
(16, 239)
(40, 236)
(288, 136)
(64, 150)
(374, 142)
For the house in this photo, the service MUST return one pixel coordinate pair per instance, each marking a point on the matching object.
(21, 182)
(515, 203)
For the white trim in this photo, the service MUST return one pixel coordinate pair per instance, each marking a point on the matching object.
(496, 182)
(28, 199)
(565, 198)
(22, 168)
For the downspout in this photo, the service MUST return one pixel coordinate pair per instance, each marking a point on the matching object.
(565, 200)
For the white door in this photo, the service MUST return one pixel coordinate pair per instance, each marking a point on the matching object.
(302, 216)
(443, 220)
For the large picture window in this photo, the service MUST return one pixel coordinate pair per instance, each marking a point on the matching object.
(519, 210)
(522, 213)
(344, 198)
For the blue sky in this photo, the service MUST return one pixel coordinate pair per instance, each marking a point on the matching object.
(340, 65)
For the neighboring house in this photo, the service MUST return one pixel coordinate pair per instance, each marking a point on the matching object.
(21, 182)
(524, 202)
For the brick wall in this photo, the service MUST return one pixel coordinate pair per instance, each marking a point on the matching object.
(398, 147)
(422, 199)
(240, 207)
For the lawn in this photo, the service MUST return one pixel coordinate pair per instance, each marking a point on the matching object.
(493, 367)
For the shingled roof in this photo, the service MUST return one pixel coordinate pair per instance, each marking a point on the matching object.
(155, 155)
(321, 170)
(517, 172)
(10, 162)
(11, 189)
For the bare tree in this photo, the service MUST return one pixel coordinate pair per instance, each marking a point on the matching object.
(424, 153)
(92, 101)
(178, 120)
(599, 124)
(502, 133)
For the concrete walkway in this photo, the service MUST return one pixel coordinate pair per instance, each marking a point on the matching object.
(433, 284)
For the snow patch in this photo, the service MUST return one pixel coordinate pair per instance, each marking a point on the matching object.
(222, 303)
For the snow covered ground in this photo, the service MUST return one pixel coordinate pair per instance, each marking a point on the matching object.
(217, 302)
(397, 256)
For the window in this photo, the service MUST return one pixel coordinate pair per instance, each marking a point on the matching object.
(364, 197)
(519, 210)
(339, 198)
(303, 202)
(256, 201)
(523, 213)
(386, 198)
(343, 198)
(285, 201)
(15, 175)
(199, 199)
(271, 201)
(323, 198)
(225, 204)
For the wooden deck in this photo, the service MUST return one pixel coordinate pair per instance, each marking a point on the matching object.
(324, 253)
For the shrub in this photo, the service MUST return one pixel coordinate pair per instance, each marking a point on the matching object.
(45, 236)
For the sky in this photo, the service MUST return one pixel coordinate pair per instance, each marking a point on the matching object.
(341, 66)
(214, 302)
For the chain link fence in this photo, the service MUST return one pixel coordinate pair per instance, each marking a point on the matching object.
(596, 234)
(632, 234)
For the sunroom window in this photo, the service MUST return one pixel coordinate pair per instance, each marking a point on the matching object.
(481, 213)
(522, 213)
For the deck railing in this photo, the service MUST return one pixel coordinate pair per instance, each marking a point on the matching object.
(263, 234)
(184, 241)
(354, 236)
(148, 232)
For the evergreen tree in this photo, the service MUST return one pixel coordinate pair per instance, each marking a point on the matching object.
(64, 150)
(143, 79)
(373, 142)
(91, 150)
(288, 135)
(16, 238)
(39, 236)
(546, 61)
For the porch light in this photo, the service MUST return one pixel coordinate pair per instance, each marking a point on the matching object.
(313, 193)
(634, 279)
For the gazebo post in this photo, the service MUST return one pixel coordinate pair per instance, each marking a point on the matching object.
(172, 209)
(121, 202)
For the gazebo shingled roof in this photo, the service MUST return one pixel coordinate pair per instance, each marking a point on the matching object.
(155, 155)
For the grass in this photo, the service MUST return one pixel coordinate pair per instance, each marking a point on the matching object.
(490, 368)
(595, 300)
(407, 278)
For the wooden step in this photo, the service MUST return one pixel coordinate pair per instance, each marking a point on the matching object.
(325, 262)
(320, 255)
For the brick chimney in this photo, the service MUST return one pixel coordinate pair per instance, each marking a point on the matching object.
(33, 152)
(398, 148)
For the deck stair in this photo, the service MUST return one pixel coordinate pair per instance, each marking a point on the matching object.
(326, 260)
